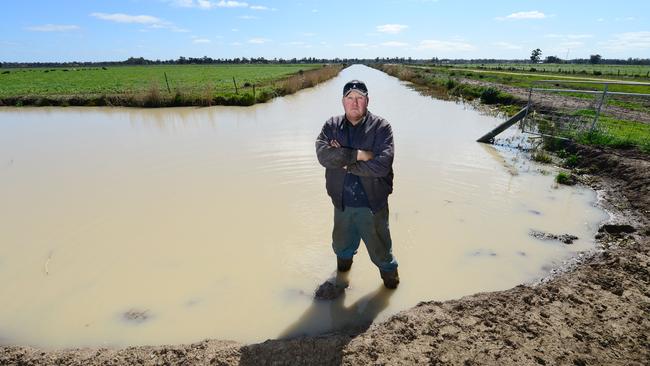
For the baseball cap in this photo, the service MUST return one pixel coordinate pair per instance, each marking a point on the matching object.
(356, 85)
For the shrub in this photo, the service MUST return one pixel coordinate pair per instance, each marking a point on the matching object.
(542, 157)
(264, 96)
(571, 161)
(153, 97)
(490, 95)
(554, 144)
(565, 178)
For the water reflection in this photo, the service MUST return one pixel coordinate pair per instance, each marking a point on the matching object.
(325, 316)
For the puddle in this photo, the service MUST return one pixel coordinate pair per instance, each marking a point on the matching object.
(134, 226)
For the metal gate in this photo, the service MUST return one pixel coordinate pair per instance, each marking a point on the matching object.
(573, 109)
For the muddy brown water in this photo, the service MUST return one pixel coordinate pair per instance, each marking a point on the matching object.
(124, 226)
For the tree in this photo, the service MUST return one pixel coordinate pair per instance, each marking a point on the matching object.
(535, 55)
(595, 59)
(552, 60)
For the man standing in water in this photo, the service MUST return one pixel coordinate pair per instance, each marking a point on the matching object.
(357, 151)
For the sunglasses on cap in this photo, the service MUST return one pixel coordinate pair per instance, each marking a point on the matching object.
(355, 85)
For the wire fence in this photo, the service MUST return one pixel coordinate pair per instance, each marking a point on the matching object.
(609, 113)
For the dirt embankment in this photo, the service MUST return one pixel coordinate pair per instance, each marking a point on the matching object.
(595, 311)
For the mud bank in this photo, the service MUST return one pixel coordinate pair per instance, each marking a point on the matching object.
(594, 311)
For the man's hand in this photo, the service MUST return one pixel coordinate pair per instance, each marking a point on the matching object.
(364, 155)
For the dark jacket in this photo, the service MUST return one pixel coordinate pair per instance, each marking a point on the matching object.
(376, 174)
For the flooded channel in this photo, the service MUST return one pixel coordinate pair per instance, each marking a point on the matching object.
(127, 226)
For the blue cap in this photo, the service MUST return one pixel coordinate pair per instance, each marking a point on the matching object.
(355, 85)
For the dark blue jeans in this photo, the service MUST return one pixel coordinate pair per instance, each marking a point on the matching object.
(356, 223)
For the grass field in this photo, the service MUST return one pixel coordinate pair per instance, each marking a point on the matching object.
(524, 79)
(188, 84)
(639, 72)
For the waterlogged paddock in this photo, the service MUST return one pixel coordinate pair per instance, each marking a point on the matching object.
(129, 226)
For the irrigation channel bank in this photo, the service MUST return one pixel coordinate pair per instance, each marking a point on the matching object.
(125, 226)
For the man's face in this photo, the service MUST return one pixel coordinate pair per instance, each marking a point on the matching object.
(355, 105)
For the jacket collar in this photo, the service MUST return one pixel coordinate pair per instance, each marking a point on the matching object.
(361, 123)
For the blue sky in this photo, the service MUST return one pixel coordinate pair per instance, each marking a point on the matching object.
(92, 30)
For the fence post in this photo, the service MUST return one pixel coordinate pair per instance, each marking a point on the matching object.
(600, 105)
(234, 82)
(167, 82)
(254, 99)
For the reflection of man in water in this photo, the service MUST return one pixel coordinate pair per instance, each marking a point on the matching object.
(333, 315)
(357, 151)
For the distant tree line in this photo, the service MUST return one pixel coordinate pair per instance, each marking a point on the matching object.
(205, 60)
(597, 59)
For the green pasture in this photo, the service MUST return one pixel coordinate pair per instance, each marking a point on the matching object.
(526, 79)
(640, 72)
(120, 80)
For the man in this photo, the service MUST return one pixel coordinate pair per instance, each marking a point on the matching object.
(357, 151)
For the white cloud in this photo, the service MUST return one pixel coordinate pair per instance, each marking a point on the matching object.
(231, 4)
(184, 3)
(259, 7)
(206, 4)
(247, 17)
(391, 28)
(394, 44)
(201, 40)
(151, 21)
(506, 46)
(356, 45)
(258, 40)
(53, 28)
(629, 41)
(171, 27)
(524, 15)
(125, 18)
(236, 44)
(436, 45)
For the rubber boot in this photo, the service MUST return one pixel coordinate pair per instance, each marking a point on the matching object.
(391, 279)
(343, 265)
